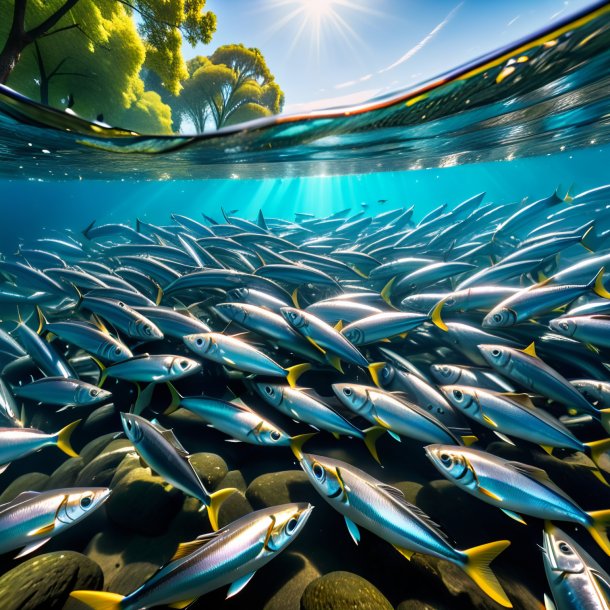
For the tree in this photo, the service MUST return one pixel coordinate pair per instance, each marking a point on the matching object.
(231, 86)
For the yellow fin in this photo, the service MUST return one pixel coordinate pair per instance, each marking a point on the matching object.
(295, 298)
(98, 322)
(600, 521)
(359, 272)
(490, 494)
(316, 345)
(547, 448)
(297, 442)
(477, 567)
(159, 297)
(182, 604)
(600, 477)
(338, 326)
(530, 350)
(63, 438)
(174, 402)
(186, 548)
(605, 419)
(598, 287)
(408, 553)
(583, 240)
(520, 398)
(99, 600)
(216, 500)
(294, 372)
(50, 337)
(387, 290)
(41, 531)
(41, 320)
(335, 362)
(374, 369)
(490, 421)
(469, 439)
(370, 438)
(102, 368)
(435, 315)
(598, 448)
(336, 435)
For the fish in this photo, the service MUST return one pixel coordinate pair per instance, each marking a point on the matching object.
(62, 391)
(382, 509)
(381, 326)
(575, 578)
(232, 555)
(515, 488)
(150, 368)
(590, 330)
(159, 448)
(32, 518)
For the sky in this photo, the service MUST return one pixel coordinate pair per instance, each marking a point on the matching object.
(327, 53)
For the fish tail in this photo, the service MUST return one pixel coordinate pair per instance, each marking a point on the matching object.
(599, 521)
(103, 374)
(387, 291)
(175, 401)
(63, 438)
(477, 567)
(370, 438)
(597, 285)
(605, 419)
(374, 368)
(597, 449)
(215, 502)
(297, 442)
(294, 372)
(435, 315)
(99, 600)
(88, 228)
(587, 239)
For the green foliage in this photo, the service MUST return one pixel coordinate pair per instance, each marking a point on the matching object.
(94, 54)
(233, 85)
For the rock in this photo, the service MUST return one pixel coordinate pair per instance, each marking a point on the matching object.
(143, 503)
(96, 446)
(211, 468)
(32, 481)
(66, 474)
(235, 479)
(292, 585)
(234, 507)
(279, 488)
(128, 463)
(343, 591)
(100, 470)
(45, 582)
(416, 604)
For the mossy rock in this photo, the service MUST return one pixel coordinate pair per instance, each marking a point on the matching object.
(32, 481)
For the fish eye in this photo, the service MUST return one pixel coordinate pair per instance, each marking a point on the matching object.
(275, 435)
(94, 392)
(458, 394)
(147, 329)
(564, 548)
(291, 526)
(117, 350)
(495, 353)
(347, 391)
(445, 458)
(183, 364)
(563, 325)
(268, 390)
(318, 471)
(385, 372)
(85, 502)
(199, 341)
(449, 302)
(121, 304)
(497, 317)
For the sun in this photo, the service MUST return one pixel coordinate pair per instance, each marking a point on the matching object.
(316, 20)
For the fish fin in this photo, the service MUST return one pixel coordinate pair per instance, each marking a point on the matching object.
(294, 372)
(503, 437)
(370, 438)
(3, 467)
(335, 362)
(530, 350)
(41, 319)
(45, 529)
(520, 398)
(216, 500)
(605, 419)
(338, 326)
(469, 439)
(99, 600)
(30, 548)
(316, 345)
(144, 398)
(297, 442)
(102, 367)
(490, 421)
(547, 448)
(600, 521)
(435, 315)
(50, 337)
(98, 322)
(359, 272)
(407, 553)
(88, 228)
(598, 285)
(531, 471)
(335, 434)
(394, 435)
(387, 291)
(159, 296)
(586, 243)
(175, 401)
(185, 603)
(295, 297)
(353, 530)
(477, 567)
(171, 438)
(374, 368)
(513, 515)
(186, 548)
(63, 438)
(548, 603)
(239, 584)
(599, 476)
(489, 494)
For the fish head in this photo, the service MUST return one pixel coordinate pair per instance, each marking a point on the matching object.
(235, 312)
(145, 329)
(352, 396)
(180, 366)
(295, 317)
(77, 503)
(500, 317)
(201, 343)
(461, 397)
(563, 326)
(272, 393)
(286, 523)
(269, 435)
(240, 295)
(452, 463)
(418, 303)
(446, 373)
(495, 355)
(325, 475)
(133, 426)
(354, 335)
(560, 555)
(87, 394)
(116, 352)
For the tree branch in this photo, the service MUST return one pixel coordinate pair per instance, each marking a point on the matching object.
(49, 22)
(149, 15)
(62, 29)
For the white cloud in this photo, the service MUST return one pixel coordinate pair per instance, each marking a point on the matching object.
(348, 99)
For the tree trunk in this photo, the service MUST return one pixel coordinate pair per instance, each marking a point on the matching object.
(9, 56)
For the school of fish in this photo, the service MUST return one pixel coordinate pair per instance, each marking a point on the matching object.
(484, 320)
